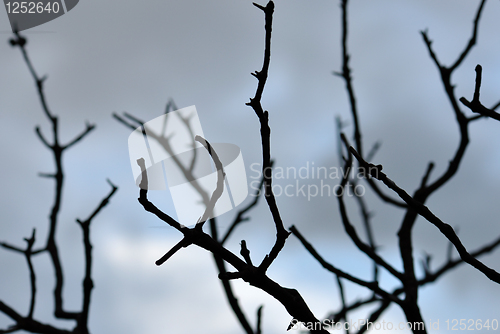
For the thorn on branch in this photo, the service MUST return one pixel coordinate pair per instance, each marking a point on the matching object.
(40, 82)
(19, 40)
(245, 252)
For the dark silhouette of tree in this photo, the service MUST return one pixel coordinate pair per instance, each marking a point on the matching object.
(413, 205)
(406, 294)
(29, 322)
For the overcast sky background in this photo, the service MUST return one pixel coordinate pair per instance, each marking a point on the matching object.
(115, 56)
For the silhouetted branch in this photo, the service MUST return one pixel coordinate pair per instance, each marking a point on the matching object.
(133, 122)
(28, 254)
(370, 285)
(349, 228)
(450, 264)
(217, 193)
(124, 121)
(342, 313)
(42, 138)
(258, 329)
(57, 150)
(343, 301)
(28, 324)
(475, 105)
(353, 182)
(289, 298)
(88, 284)
(374, 316)
(150, 207)
(245, 252)
(265, 131)
(88, 128)
(10, 247)
(462, 120)
(422, 210)
(20, 42)
(346, 75)
(181, 244)
(428, 278)
(427, 174)
(472, 40)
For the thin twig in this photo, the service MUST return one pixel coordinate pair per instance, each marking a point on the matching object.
(289, 298)
(88, 284)
(346, 75)
(475, 105)
(28, 254)
(265, 131)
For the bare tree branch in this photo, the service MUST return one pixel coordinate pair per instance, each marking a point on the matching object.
(57, 150)
(255, 276)
(265, 131)
(370, 285)
(422, 210)
(475, 105)
(346, 74)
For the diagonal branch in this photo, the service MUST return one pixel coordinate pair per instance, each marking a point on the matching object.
(450, 264)
(88, 128)
(472, 40)
(370, 285)
(349, 228)
(28, 324)
(422, 210)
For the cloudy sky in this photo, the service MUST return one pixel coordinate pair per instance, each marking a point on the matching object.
(133, 56)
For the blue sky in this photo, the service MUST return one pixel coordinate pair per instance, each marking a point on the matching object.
(133, 56)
